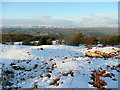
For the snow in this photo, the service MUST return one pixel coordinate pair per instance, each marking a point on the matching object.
(35, 64)
(17, 43)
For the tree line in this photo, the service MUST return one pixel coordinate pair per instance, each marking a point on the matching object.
(74, 40)
(79, 39)
(26, 39)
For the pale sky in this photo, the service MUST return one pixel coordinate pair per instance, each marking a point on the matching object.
(60, 13)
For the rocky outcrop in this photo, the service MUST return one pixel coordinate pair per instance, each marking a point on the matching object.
(102, 54)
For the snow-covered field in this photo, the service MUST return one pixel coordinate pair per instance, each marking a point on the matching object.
(55, 66)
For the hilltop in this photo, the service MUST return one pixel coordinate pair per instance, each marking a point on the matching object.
(58, 66)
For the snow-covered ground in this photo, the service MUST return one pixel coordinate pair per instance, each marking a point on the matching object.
(54, 66)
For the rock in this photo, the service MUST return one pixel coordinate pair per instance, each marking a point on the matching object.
(16, 67)
(39, 48)
(48, 75)
(92, 54)
(51, 59)
(118, 65)
(35, 66)
(8, 72)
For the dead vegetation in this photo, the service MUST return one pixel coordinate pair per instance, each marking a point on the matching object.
(114, 67)
(97, 81)
(66, 74)
(55, 81)
(116, 49)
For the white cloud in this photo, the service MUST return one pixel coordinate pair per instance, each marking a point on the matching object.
(96, 20)
(89, 20)
(42, 17)
(39, 20)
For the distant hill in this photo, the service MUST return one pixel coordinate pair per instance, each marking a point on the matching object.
(89, 31)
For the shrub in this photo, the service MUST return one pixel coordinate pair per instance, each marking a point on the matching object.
(26, 42)
(42, 41)
(75, 39)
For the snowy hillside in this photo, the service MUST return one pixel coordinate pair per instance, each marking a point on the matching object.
(58, 66)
